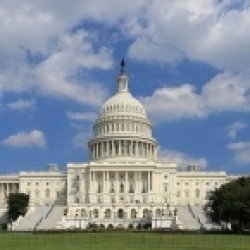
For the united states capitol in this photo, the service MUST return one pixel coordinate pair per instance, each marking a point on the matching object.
(122, 183)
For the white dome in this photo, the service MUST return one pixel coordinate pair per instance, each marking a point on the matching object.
(123, 102)
(122, 129)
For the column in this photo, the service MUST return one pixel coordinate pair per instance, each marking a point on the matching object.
(1, 191)
(113, 148)
(108, 184)
(131, 148)
(97, 150)
(140, 180)
(126, 182)
(137, 148)
(103, 181)
(148, 185)
(108, 148)
(8, 190)
(119, 147)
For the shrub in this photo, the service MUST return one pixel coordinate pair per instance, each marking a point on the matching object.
(130, 226)
(110, 226)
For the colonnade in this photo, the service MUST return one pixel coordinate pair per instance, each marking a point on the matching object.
(142, 181)
(115, 148)
(7, 188)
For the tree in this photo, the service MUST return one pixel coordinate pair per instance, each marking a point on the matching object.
(231, 203)
(17, 205)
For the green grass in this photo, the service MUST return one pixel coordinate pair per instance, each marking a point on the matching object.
(123, 240)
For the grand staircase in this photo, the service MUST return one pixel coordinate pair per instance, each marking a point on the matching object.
(200, 214)
(52, 218)
(31, 219)
(187, 218)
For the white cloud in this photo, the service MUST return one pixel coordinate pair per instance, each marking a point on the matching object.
(241, 151)
(182, 160)
(226, 92)
(81, 139)
(165, 31)
(84, 116)
(21, 104)
(34, 138)
(234, 128)
(215, 32)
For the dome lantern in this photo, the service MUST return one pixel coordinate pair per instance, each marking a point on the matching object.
(122, 79)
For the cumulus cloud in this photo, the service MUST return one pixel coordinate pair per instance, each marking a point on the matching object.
(40, 53)
(211, 31)
(42, 49)
(34, 138)
(241, 151)
(84, 116)
(21, 104)
(182, 160)
(226, 92)
(234, 128)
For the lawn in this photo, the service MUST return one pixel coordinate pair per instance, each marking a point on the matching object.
(123, 240)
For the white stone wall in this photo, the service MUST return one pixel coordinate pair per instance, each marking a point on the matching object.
(44, 188)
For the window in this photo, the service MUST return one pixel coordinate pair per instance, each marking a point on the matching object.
(47, 193)
(131, 188)
(178, 194)
(121, 188)
(99, 190)
(95, 213)
(37, 193)
(108, 214)
(197, 193)
(144, 187)
(112, 189)
(165, 187)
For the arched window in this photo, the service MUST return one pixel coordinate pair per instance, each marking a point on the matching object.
(133, 214)
(145, 212)
(107, 214)
(95, 213)
(121, 213)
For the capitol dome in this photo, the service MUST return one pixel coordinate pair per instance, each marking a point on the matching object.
(123, 102)
(122, 128)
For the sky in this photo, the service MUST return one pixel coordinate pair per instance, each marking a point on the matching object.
(188, 63)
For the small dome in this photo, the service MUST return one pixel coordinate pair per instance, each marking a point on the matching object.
(123, 102)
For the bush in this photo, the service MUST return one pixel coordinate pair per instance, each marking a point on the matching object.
(4, 226)
(130, 226)
(110, 226)
(139, 226)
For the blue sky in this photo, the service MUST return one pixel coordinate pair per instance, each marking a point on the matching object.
(188, 63)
